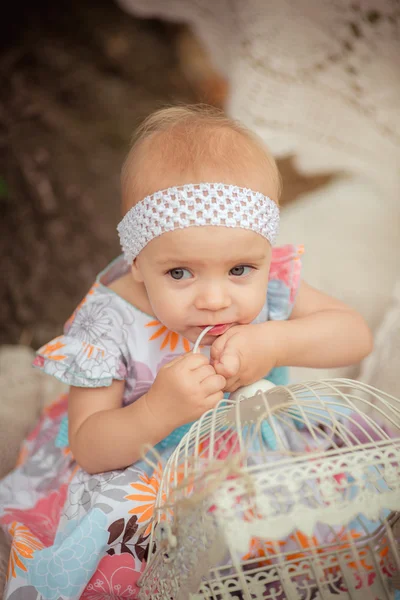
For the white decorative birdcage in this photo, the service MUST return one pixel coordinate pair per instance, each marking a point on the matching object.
(291, 493)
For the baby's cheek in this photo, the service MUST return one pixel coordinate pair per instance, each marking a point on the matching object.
(164, 312)
(168, 311)
(253, 305)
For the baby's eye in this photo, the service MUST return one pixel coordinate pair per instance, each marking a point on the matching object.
(240, 270)
(179, 274)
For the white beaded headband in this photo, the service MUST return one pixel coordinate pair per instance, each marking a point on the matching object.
(194, 205)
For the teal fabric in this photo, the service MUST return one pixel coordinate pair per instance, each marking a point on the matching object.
(174, 438)
(279, 376)
(62, 436)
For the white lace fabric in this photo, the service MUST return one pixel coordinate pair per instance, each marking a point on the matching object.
(317, 78)
(196, 205)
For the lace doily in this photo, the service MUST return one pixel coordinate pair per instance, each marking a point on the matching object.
(318, 78)
(197, 205)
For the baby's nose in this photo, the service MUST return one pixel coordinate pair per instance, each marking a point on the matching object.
(213, 298)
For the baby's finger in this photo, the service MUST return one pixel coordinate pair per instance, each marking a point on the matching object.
(194, 361)
(217, 347)
(232, 384)
(228, 365)
(174, 361)
(203, 372)
(213, 384)
(213, 399)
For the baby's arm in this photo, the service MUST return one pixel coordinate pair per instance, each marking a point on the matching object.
(104, 436)
(322, 332)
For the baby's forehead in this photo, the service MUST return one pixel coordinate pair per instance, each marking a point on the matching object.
(210, 154)
(208, 245)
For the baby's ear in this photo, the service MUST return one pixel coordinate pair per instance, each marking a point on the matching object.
(136, 272)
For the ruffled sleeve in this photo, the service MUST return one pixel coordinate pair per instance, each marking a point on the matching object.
(92, 352)
(284, 281)
(79, 363)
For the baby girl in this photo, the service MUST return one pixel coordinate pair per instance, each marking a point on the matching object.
(200, 198)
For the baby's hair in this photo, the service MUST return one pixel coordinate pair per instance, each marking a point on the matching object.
(193, 144)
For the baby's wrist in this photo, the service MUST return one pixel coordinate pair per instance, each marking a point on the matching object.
(160, 426)
(275, 342)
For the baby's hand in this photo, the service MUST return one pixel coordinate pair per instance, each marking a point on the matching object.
(183, 390)
(244, 354)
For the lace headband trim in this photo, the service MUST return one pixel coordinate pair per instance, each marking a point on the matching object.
(196, 205)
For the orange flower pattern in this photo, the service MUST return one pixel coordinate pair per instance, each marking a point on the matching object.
(23, 546)
(146, 490)
(170, 338)
(146, 493)
(52, 348)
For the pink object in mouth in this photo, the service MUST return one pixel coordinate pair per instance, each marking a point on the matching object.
(219, 329)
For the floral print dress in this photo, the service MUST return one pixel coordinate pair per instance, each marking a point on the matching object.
(76, 535)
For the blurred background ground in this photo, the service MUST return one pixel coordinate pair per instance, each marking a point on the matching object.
(76, 78)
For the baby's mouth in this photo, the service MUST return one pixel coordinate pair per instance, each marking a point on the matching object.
(218, 329)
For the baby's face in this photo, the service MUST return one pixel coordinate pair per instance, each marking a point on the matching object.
(203, 276)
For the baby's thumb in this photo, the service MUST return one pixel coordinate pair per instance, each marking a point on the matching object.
(228, 364)
(217, 349)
